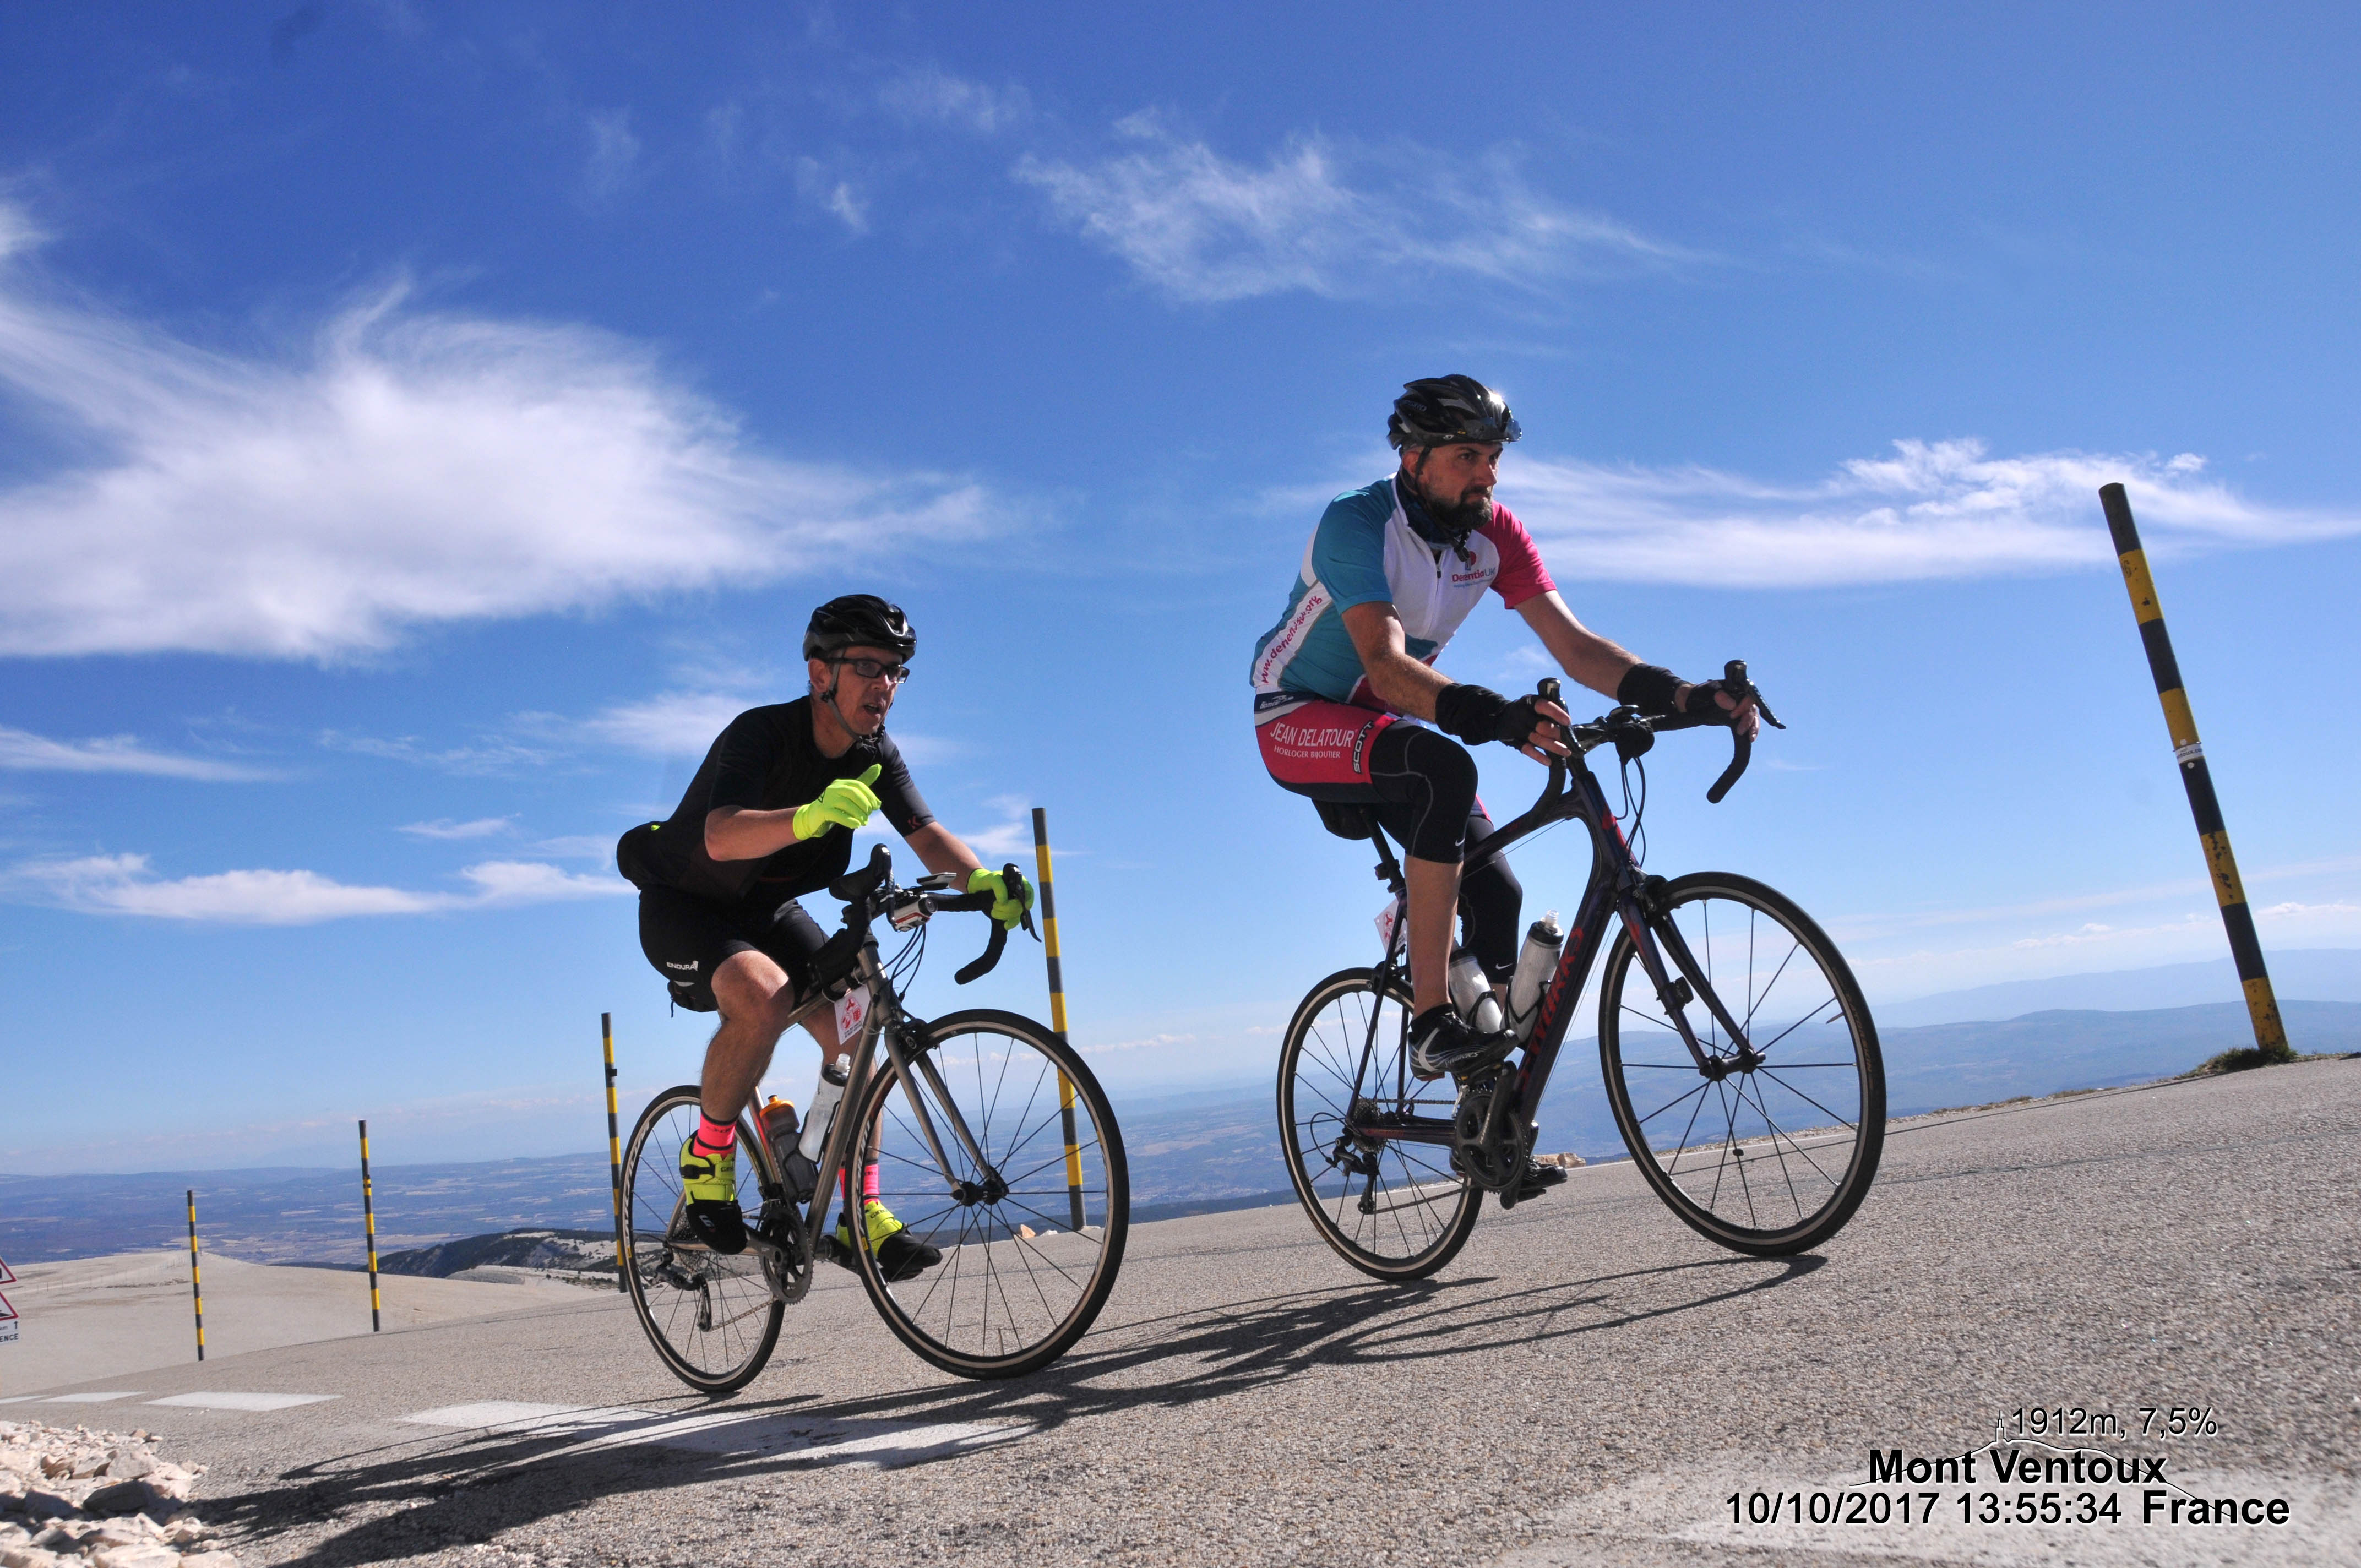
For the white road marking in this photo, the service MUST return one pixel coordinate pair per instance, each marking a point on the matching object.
(18, 1399)
(813, 1440)
(229, 1400)
(508, 1415)
(91, 1399)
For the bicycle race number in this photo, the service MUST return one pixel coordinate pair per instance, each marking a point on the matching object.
(852, 1013)
(1385, 920)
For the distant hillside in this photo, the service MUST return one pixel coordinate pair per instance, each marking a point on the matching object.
(1189, 1152)
(576, 1251)
(2302, 974)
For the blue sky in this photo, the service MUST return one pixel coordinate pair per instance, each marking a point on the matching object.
(420, 429)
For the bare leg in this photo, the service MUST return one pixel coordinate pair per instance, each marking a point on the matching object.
(1433, 911)
(756, 999)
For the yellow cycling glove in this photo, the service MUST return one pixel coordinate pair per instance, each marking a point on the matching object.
(1005, 909)
(845, 802)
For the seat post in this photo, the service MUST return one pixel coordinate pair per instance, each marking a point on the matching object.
(1390, 869)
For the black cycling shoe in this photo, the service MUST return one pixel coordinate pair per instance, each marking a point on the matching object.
(900, 1257)
(1441, 1042)
(1539, 1178)
(718, 1225)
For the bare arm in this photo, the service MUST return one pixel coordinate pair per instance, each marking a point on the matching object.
(1579, 651)
(737, 833)
(1400, 682)
(1598, 663)
(940, 849)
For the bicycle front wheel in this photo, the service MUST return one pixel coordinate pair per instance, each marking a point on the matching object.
(1769, 1155)
(1390, 1206)
(1029, 1202)
(713, 1318)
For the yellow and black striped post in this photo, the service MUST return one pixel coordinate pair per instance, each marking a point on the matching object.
(1058, 1010)
(196, 1285)
(2246, 949)
(614, 1147)
(368, 1224)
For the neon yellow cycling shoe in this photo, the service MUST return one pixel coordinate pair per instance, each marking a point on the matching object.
(899, 1255)
(708, 1185)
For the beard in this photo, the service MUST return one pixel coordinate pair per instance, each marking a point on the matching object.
(1466, 515)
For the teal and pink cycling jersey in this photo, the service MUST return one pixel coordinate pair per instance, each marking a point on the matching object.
(1367, 551)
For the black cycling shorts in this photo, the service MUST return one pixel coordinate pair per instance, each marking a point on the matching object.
(688, 938)
(1422, 785)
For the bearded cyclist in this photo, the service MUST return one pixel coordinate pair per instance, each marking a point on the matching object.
(769, 817)
(1340, 682)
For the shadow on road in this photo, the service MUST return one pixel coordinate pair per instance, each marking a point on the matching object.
(429, 1496)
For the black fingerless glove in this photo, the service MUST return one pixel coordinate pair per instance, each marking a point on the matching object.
(1651, 688)
(1478, 714)
(1703, 705)
(1469, 714)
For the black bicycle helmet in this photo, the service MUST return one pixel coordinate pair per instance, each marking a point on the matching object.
(859, 620)
(1441, 410)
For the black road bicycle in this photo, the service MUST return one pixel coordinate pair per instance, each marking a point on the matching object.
(992, 1141)
(1739, 1059)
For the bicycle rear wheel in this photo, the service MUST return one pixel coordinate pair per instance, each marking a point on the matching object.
(1031, 1233)
(1393, 1208)
(712, 1319)
(1769, 1159)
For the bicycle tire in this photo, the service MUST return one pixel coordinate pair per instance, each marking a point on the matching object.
(1412, 1212)
(1824, 1068)
(714, 1319)
(1018, 1282)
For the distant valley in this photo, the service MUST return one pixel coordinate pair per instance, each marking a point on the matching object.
(1207, 1149)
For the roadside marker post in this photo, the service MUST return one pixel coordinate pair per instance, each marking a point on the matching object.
(614, 1147)
(2197, 779)
(369, 1223)
(196, 1285)
(1058, 1010)
(7, 1312)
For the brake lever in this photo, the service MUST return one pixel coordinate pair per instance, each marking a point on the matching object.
(1742, 745)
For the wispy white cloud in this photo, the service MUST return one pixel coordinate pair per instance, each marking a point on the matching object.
(614, 154)
(817, 184)
(1930, 509)
(491, 755)
(443, 828)
(1011, 838)
(1324, 216)
(934, 95)
(402, 468)
(124, 884)
(26, 753)
(671, 724)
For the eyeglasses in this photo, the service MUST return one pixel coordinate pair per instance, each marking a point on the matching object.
(871, 670)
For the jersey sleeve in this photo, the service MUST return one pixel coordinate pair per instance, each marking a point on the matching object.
(1522, 576)
(897, 798)
(743, 759)
(1348, 551)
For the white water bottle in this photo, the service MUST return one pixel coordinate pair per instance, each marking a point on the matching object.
(825, 1096)
(1535, 964)
(1472, 995)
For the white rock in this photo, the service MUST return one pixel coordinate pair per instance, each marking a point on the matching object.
(147, 1554)
(210, 1559)
(29, 1557)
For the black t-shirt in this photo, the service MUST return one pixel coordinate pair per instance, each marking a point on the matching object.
(767, 760)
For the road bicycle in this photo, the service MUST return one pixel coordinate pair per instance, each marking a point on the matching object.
(993, 1142)
(1739, 1059)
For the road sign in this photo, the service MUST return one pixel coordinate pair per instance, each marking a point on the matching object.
(7, 1312)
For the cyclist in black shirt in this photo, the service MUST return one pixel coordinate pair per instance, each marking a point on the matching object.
(770, 816)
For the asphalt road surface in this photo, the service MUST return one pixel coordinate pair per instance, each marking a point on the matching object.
(1588, 1383)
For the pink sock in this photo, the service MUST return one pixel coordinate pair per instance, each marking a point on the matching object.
(718, 1137)
(868, 1181)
